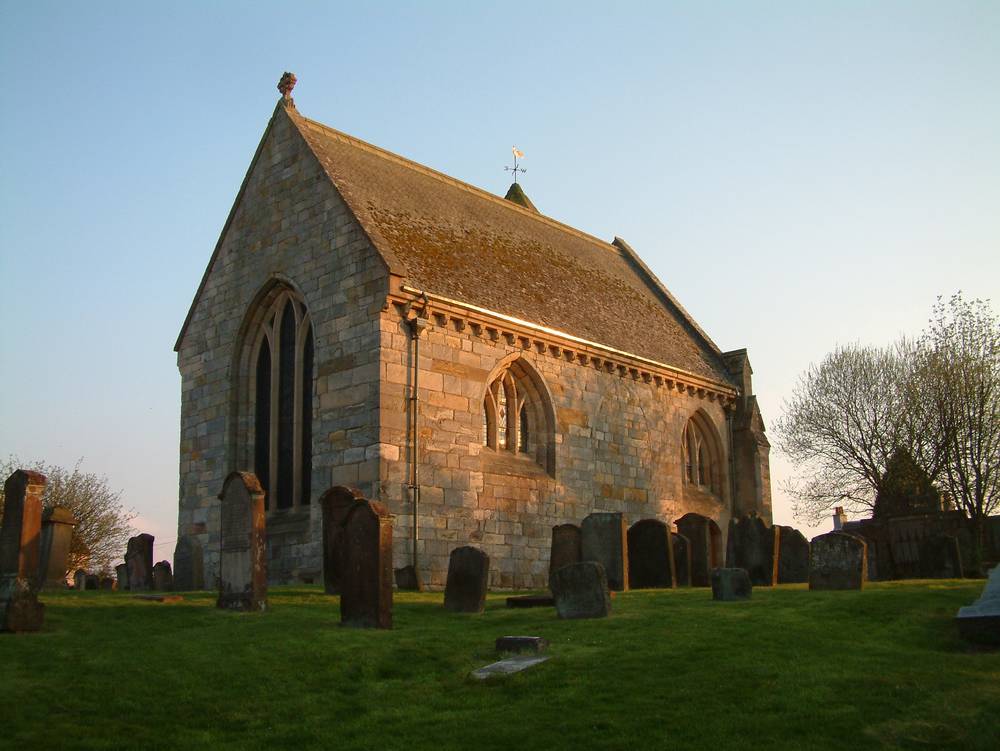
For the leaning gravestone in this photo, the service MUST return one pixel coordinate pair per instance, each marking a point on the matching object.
(139, 559)
(650, 556)
(189, 564)
(335, 504)
(837, 560)
(80, 580)
(468, 576)
(366, 576)
(581, 590)
(566, 546)
(682, 559)
(163, 578)
(980, 621)
(754, 546)
(940, 558)
(793, 558)
(121, 574)
(605, 540)
(243, 553)
(57, 535)
(20, 535)
(730, 584)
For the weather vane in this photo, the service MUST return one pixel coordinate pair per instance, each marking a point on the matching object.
(515, 169)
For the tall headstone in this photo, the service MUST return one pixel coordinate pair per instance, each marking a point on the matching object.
(163, 578)
(698, 530)
(20, 540)
(57, 535)
(580, 590)
(336, 503)
(604, 539)
(243, 554)
(189, 564)
(566, 546)
(650, 555)
(93, 581)
(753, 546)
(940, 558)
(366, 576)
(980, 621)
(793, 558)
(79, 580)
(121, 574)
(139, 559)
(468, 575)
(837, 560)
(682, 559)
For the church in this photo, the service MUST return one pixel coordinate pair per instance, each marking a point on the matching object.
(483, 370)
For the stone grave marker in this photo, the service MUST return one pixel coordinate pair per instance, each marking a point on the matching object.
(698, 531)
(650, 556)
(604, 539)
(940, 557)
(730, 584)
(366, 576)
(139, 559)
(189, 564)
(107, 583)
(566, 546)
(243, 553)
(57, 535)
(163, 578)
(581, 590)
(20, 542)
(408, 579)
(80, 580)
(754, 546)
(468, 575)
(837, 560)
(530, 601)
(121, 574)
(980, 621)
(682, 559)
(335, 504)
(793, 557)
(520, 644)
(509, 665)
(92, 581)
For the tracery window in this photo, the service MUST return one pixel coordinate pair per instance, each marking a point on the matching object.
(701, 457)
(517, 415)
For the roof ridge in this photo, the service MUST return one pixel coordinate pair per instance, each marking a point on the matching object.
(461, 184)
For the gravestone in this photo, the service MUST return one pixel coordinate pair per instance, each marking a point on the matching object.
(604, 540)
(837, 560)
(57, 535)
(566, 546)
(650, 555)
(730, 584)
(80, 580)
(793, 557)
(163, 578)
(754, 546)
(93, 581)
(698, 531)
(980, 621)
(121, 574)
(581, 590)
(940, 558)
(335, 504)
(139, 559)
(366, 576)
(243, 552)
(189, 564)
(107, 583)
(468, 574)
(408, 579)
(682, 559)
(521, 644)
(20, 540)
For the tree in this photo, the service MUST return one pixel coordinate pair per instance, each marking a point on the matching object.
(102, 528)
(905, 488)
(958, 373)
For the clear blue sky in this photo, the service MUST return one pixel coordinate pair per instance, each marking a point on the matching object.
(798, 174)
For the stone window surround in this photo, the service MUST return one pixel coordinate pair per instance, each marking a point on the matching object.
(525, 389)
(702, 455)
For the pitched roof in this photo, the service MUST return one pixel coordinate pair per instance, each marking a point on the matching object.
(446, 237)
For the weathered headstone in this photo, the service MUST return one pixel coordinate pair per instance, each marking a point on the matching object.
(837, 560)
(682, 559)
(107, 583)
(366, 577)
(699, 530)
(581, 590)
(604, 539)
(139, 559)
(336, 503)
(121, 574)
(189, 564)
(566, 546)
(93, 581)
(163, 577)
(729, 584)
(243, 553)
(793, 558)
(940, 558)
(20, 541)
(530, 601)
(980, 621)
(650, 555)
(80, 580)
(468, 575)
(521, 644)
(408, 579)
(753, 546)
(57, 535)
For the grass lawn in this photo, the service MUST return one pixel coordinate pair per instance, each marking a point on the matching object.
(882, 668)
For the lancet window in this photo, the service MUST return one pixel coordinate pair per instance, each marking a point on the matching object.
(517, 415)
(700, 457)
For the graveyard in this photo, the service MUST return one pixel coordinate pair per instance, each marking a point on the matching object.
(881, 667)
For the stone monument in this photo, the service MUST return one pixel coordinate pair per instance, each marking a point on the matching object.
(650, 556)
(243, 554)
(189, 564)
(730, 584)
(163, 578)
(139, 559)
(837, 560)
(566, 546)
(57, 535)
(581, 590)
(793, 558)
(604, 539)
(20, 542)
(366, 576)
(335, 504)
(468, 575)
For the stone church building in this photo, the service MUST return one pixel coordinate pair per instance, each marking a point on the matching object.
(484, 370)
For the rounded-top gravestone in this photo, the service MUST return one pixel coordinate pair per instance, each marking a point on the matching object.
(366, 576)
(837, 560)
(468, 577)
(580, 590)
(650, 555)
(243, 562)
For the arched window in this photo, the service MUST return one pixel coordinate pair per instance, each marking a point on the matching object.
(517, 415)
(281, 402)
(701, 457)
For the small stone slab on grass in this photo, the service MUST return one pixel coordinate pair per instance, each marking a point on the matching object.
(731, 584)
(508, 666)
(520, 644)
(158, 598)
(531, 601)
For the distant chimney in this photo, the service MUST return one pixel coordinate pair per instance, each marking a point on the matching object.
(839, 517)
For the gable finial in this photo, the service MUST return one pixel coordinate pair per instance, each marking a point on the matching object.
(286, 84)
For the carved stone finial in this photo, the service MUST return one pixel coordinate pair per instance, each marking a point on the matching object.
(286, 84)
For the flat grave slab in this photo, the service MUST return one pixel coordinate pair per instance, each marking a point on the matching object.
(158, 598)
(508, 666)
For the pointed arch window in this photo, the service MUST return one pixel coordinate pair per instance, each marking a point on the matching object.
(517, 416)
(701, 460)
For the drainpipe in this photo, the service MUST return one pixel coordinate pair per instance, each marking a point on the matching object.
(732, 460)
(416, 325)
